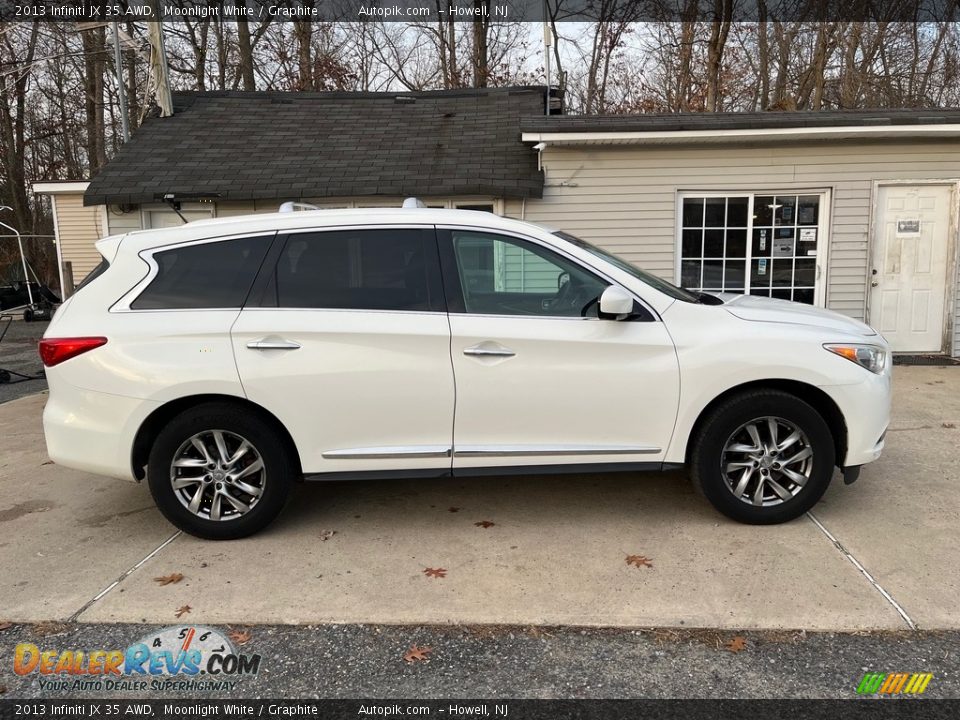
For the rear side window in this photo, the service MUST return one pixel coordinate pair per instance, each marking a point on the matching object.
(99, 270)
(208, 275)
(389, 269)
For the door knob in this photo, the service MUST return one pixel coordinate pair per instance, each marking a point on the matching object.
(874, 284)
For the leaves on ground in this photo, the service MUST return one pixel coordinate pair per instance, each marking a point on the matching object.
(3, 689)
(240, 637)
(183, 611)
(171, 579)
(50, 627)
(327, 534)
(453, 509)
(639, 561)
(435, 572)
(737, 644)
(418, 654)
(484, 524)
(48, 462)
(5, 625)
(949, 425)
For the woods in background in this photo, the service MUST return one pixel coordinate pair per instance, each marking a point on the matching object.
(60, 116)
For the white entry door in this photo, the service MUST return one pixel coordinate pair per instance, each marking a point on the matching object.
(911, 248)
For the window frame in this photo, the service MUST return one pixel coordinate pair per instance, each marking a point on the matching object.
(453, 286)
(822, 264)
(257, 300)
(123, 305)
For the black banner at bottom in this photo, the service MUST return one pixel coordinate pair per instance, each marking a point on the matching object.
(874, 709)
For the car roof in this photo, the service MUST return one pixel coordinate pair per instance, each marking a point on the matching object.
(307, 219)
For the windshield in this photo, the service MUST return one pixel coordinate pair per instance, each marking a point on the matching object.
(642, 275)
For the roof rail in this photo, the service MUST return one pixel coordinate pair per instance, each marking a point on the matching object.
(412, 202)
(291, 206)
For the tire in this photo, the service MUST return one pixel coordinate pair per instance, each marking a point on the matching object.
(28, 315)
(726, 451)
(263, 491)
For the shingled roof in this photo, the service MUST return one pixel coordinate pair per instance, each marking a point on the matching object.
(297, 145)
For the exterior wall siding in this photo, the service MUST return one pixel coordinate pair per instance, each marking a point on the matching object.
(79, 228)
(624, 197)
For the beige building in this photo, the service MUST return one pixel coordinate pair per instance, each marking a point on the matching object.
(853, 211)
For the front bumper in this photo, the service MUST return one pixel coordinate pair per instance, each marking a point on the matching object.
(866, 411)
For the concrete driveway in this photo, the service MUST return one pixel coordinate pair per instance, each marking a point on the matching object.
(878, 554)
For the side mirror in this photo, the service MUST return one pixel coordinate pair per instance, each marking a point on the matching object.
(616, 302)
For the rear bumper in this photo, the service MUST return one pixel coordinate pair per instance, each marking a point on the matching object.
(92, 431)
(866, 412)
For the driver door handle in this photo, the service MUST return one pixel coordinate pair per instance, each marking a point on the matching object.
(489, 349)
(273, 345)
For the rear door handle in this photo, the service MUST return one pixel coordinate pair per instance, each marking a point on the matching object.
(489, 349)
(273, 345)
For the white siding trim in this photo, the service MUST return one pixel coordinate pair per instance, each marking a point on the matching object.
(672, 137)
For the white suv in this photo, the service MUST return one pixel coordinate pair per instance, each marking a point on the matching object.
(226, 359)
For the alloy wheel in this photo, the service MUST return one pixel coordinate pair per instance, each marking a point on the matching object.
(766, 461)
(218, 475)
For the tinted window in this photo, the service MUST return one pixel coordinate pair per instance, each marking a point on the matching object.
(500, 275)
(393, 269)
(208, 275)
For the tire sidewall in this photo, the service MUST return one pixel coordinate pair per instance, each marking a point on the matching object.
(235, 420)
(734, 414)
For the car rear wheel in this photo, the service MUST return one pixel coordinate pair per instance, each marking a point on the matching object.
(763, 457)
(219, 472)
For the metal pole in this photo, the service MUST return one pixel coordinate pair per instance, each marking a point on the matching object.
(547, 45)
(23, 258)
(121, 88)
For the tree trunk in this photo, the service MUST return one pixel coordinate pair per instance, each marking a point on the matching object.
(93, 49)
(246, 52)
(481, 54)
(303, 32)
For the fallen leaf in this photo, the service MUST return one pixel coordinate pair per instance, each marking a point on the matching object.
(48, 462)
(171, 579)
(241, 637)
(453, 509)
(639, 561)
(183, 611)
(949, 425)
(327, 534)
(435, 572)
(3, 689)
(484, 524)
(6, 625)
(418, 654)
(738, 644)
(49, 627)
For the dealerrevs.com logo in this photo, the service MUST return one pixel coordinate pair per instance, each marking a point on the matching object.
(187, 658)
(902, 683)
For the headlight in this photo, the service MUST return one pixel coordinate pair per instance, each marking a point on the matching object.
(870, 357)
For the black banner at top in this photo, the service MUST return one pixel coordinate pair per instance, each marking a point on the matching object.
(486, 10)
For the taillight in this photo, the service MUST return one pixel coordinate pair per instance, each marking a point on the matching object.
(54, 351)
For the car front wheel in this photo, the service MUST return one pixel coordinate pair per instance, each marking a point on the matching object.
(219, 472)
(763, 457)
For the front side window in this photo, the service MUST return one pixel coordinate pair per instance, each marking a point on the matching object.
(383, 269)
(206, 275)
(500, 275)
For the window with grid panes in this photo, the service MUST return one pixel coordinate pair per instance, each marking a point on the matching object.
(778, 261)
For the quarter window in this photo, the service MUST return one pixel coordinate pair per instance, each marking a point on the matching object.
(500, 275)
(393, 269)
(757, 244)
(206, 275)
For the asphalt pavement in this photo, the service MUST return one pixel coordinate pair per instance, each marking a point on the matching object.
(367, 661)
